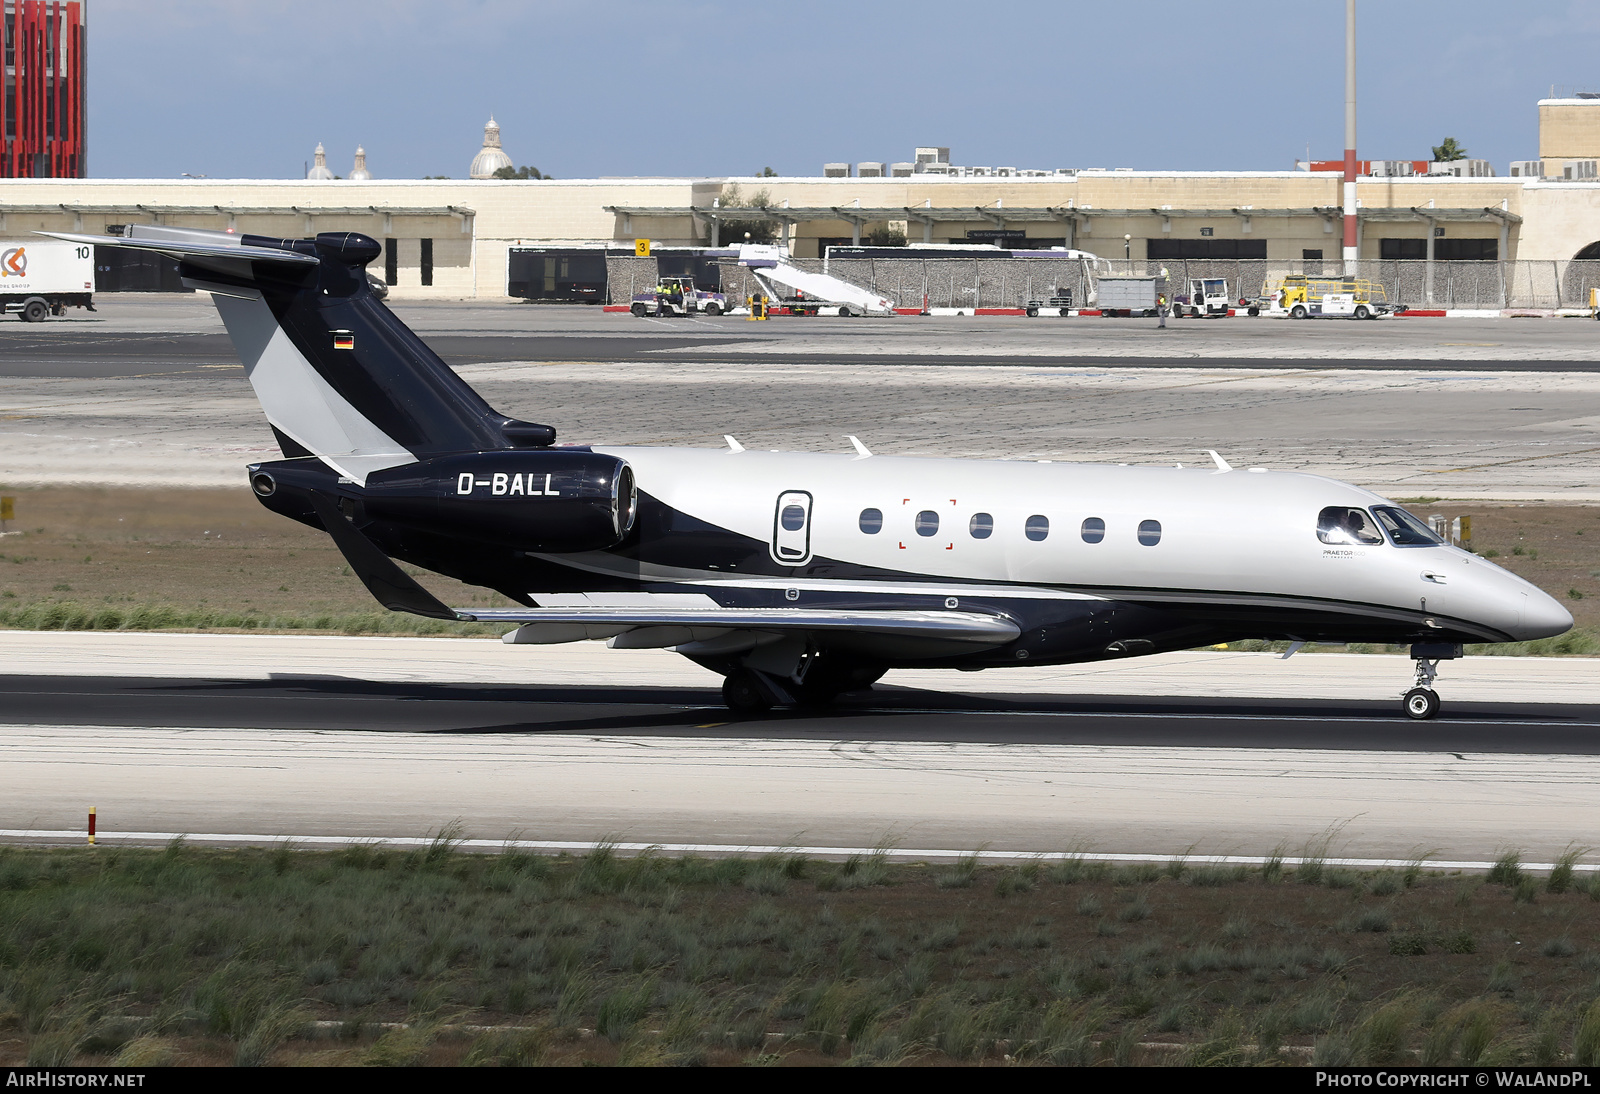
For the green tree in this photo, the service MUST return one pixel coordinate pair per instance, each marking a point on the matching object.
(886, 237)
(1448, 151)
(767, 173)
(519, 173)
(734, 231)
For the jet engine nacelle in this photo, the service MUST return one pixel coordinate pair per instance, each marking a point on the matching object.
(548, 500)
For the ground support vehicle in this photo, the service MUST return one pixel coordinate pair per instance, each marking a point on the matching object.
(1127, 297)
(678, 296)
(1206, 298)
(805, 293)
(45, 278)
(1331, 298)
(1061, 305)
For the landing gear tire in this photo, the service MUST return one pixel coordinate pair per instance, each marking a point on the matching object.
(743, 693)
(640, 310)
(1421, 703)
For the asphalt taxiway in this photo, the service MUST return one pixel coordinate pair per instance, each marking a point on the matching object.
(1494, 409)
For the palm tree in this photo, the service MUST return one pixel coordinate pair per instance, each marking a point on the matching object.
(1448, 151)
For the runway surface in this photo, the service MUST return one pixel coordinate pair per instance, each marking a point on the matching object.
(1507, 435)
(396, 737)
(55, 351)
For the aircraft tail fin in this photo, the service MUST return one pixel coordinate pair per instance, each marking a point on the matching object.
(338, 374)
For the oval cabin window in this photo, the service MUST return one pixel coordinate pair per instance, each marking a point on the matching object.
(927, 523)
(1094, 530)
(1037, 528)
(981, 526)
(1149, 532)
(872, 521)
(793, 518)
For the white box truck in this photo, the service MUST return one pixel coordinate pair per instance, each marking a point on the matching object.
(42, 278)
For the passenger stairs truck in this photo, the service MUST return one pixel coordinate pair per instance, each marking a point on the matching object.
(805, 293)
(41, 279)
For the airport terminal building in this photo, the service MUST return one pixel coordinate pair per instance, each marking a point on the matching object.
(492, 238)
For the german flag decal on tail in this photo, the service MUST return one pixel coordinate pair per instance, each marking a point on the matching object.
(343, 339)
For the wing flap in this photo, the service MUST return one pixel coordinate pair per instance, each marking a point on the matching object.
(976, 628)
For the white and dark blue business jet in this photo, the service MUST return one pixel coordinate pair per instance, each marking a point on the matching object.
(798, 576)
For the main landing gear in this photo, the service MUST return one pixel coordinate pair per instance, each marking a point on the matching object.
(1422, 701)
(820, 680)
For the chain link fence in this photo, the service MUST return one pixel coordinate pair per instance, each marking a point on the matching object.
(1012, 282)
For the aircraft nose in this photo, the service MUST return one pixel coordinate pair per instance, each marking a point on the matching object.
(1543, 616)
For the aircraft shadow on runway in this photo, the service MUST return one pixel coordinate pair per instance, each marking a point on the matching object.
(325, 702)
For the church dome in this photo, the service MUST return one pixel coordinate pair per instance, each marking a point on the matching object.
(359, 172)
(491, 157)
(319, 166)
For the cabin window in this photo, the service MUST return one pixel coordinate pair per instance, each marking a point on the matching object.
(1149, 532)
(927, 523)
(793, 518)
(1404, 529)
(1037, 527)
(872, 521)
(1339, 524)
(1094, 530)
(981, 526)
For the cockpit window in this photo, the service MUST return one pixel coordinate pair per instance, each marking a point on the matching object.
(1342, 525)
(1405, 529)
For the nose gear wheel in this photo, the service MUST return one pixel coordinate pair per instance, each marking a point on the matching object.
(1422, 702)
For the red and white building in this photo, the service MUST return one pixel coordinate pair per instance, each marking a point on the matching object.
(43, 115)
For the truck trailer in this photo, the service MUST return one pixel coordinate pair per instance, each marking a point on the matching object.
(41, 279)
(1127, 297)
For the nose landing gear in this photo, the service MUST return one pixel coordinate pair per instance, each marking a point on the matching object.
(1422, 701)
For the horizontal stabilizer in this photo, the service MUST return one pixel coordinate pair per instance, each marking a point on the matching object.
(970, 627)
(179, 247)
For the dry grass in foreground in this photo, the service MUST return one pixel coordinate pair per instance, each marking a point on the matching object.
(374, 956)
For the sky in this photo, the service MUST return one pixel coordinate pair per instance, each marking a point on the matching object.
(244, 89)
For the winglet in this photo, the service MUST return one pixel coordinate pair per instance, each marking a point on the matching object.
(861, 450)
(733, 445)
(1294, 648)
(1222, 464)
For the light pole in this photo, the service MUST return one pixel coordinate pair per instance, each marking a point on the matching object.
(1127, 251)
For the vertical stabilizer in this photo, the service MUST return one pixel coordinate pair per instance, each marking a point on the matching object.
(338, 375)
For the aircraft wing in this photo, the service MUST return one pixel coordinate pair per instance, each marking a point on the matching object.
(973, 627)
(395, 590)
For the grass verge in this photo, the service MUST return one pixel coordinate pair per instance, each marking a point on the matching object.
(371, 955)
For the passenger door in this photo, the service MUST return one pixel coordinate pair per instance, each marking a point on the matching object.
(791, 529)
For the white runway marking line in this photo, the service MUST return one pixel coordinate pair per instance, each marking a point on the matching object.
(896, 854)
